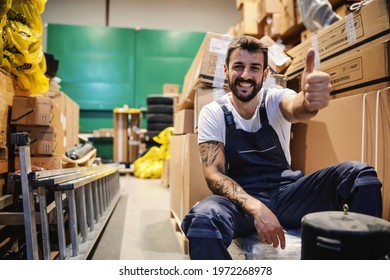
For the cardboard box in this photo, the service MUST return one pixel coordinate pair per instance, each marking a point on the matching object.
(35, 110)
(6, 96)
(187, 182)
(6, 87)
(183, 122)
(4, 115)
(356, 29)
(47, 163)
(171, 88)
(356, 71)
(165, 174)
(266, 8)
(3, 153)
(203, 96)
(250, 17)
(72, 120)
(278, 60)
(347, 130)
(206, 68)
(45, 140)
(70, 117)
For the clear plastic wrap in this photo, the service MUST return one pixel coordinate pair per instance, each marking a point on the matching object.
(317, 14)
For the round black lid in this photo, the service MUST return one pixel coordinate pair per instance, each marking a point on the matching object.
(346, 221)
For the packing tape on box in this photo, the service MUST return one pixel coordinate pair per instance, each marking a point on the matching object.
(220, 46)
(314, 45)
(350, 27)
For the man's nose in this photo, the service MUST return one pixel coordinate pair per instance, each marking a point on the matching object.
(245, 73)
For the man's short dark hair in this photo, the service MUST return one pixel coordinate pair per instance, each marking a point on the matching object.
(250, 44)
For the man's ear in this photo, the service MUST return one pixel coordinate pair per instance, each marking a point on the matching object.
(265, 74)
(226, 70)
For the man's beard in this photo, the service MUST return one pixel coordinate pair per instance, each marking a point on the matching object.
(246, 97)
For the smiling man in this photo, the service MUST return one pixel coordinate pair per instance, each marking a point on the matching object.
(244, 142)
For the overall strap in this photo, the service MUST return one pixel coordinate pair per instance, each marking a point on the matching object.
(262, 110)
(229, 120)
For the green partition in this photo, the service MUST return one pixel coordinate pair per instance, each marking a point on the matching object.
(162, 57)
(102, 68)
(96, 64)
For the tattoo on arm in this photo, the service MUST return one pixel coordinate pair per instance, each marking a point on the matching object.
(209, 152)
(228, 188)
(224, 186)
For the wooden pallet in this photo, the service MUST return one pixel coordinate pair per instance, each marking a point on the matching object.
(183, 241)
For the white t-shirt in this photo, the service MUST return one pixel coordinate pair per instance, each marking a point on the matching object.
(211, 121)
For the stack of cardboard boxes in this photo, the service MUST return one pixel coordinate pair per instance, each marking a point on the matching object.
(356, 124)
(6, 95)
(53, 126)
(276, 18)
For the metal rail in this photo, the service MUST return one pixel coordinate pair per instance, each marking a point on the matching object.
(83, 196)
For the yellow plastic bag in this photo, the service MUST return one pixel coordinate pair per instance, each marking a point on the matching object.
(24, 57)
(151, 164)
(5, 5)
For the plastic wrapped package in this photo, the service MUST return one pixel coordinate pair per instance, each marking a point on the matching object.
(5, 5)
(24, 57)
(151, 164)
(317, 14)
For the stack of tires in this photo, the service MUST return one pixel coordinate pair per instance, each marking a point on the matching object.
(159, 115)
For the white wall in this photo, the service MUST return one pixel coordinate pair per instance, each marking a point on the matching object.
(183, 15)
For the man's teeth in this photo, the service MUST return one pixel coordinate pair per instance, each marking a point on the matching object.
(245, 84)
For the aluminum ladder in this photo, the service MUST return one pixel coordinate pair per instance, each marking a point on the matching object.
(83, 196)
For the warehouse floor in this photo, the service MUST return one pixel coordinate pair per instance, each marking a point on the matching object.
(140, 227)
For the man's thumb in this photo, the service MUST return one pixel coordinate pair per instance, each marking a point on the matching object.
(310, 56)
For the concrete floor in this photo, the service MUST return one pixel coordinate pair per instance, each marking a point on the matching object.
(140, 227)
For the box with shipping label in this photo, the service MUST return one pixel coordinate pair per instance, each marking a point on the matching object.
(358, 71)
(356, 29)
(278, 60)
(45, 140)
(187, 183)
(206, 68)
(355, 128)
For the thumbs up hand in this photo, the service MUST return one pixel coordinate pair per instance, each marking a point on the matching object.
(315, 86)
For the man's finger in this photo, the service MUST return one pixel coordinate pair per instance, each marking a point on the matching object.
(310, 56)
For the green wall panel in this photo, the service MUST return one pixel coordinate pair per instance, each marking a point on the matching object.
(163, 57)
(102, 68)
(94, 119)
(96, 66)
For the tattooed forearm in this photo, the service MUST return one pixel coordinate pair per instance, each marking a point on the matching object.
(209, 152)
(228, 188)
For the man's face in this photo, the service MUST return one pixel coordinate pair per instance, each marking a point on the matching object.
(245, 74)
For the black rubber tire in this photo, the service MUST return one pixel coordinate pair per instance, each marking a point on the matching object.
(158, 118)
(158, 126)
(160, 109)
(158, 99)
